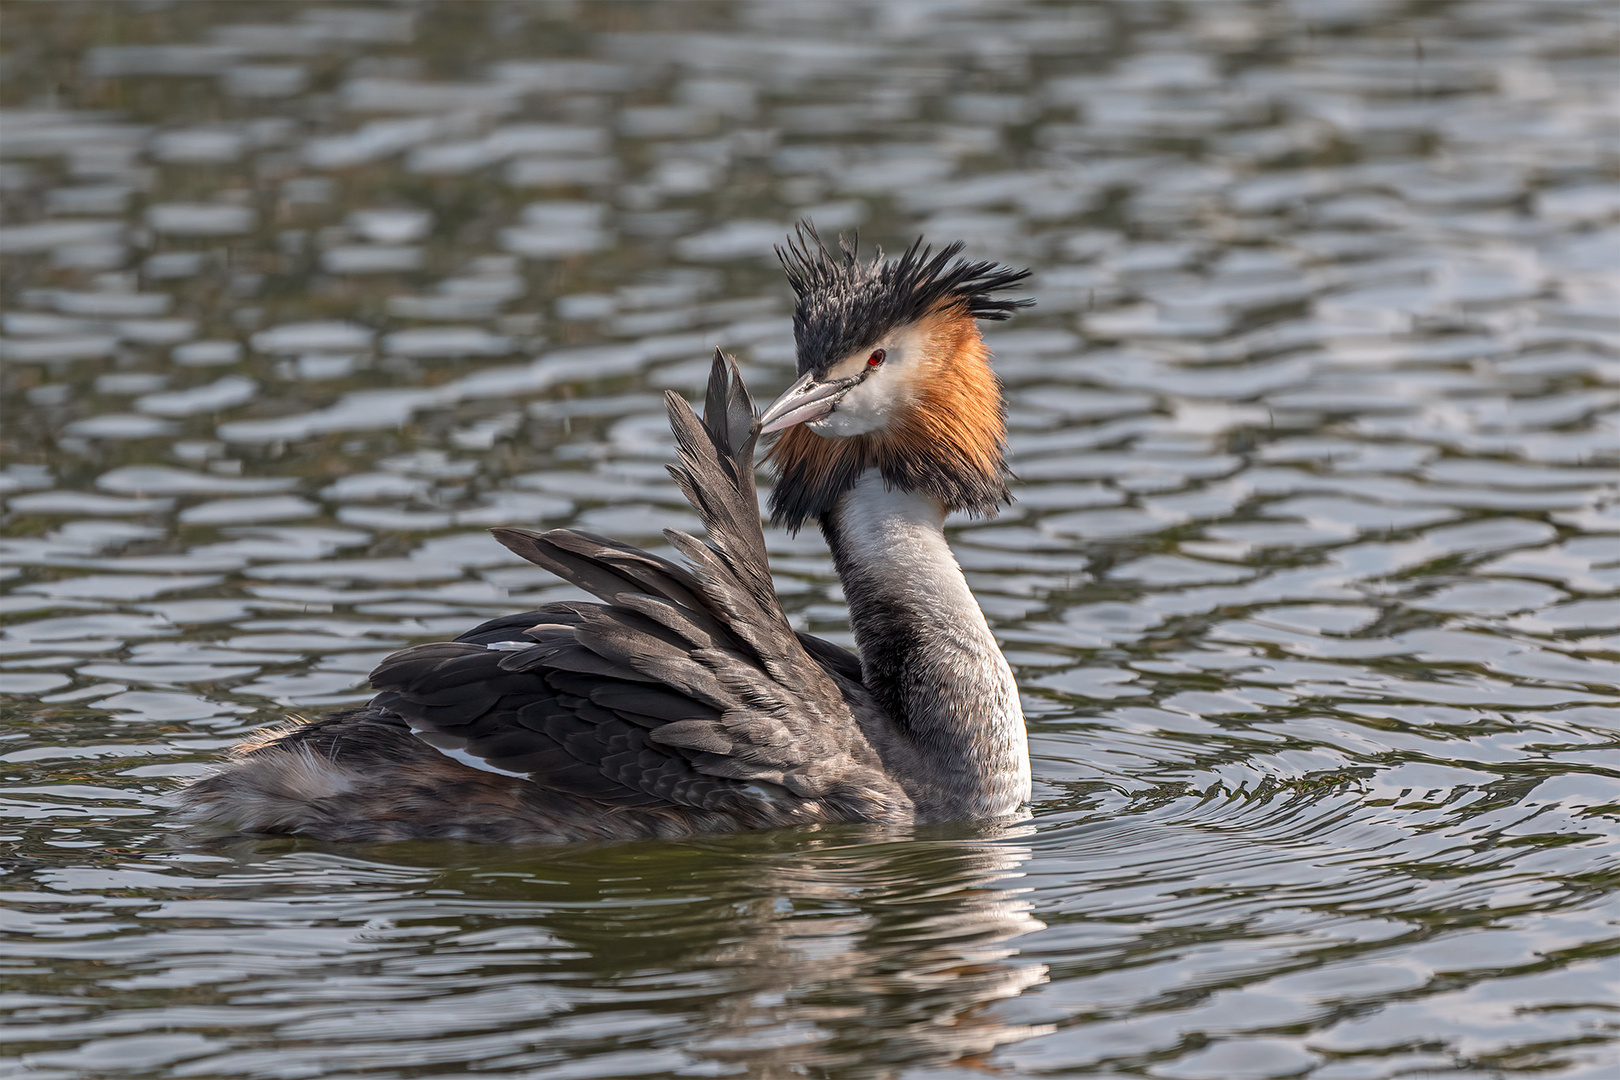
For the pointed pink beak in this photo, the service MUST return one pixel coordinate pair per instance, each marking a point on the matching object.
(805, 402)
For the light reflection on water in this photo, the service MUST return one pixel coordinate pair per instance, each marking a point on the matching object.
(1310, 585)
(529, 961)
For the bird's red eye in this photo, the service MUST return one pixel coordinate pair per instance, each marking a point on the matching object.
(876, 358)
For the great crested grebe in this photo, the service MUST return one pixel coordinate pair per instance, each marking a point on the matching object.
(684, 702)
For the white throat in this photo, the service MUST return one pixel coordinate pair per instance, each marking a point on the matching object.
(926, 650)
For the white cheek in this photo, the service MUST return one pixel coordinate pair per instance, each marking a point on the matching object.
(862, 410)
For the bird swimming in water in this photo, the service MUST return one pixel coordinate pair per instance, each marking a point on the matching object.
(684, 702)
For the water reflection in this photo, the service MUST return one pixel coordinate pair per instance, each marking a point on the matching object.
(506, 960)
(825, 947)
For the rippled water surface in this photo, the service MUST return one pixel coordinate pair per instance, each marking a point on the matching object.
(1311, 584)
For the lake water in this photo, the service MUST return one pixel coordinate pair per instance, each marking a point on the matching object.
(1311, 584)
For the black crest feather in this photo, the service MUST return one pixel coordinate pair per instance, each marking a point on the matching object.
(845, 304)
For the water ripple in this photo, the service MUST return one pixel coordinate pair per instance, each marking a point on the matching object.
(1311, 584)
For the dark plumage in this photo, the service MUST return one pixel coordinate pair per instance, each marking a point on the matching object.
(685, 691)
(845, 304)
(683, 701)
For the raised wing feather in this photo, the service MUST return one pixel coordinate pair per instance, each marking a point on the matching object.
(686, 687)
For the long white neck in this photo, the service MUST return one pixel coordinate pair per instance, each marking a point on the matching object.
(927, 654)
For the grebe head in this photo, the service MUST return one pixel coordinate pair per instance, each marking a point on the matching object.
(893, 375)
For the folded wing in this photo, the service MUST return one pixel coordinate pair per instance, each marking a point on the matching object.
(685, 687)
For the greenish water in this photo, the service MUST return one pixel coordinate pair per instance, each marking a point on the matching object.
(1311, 584)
